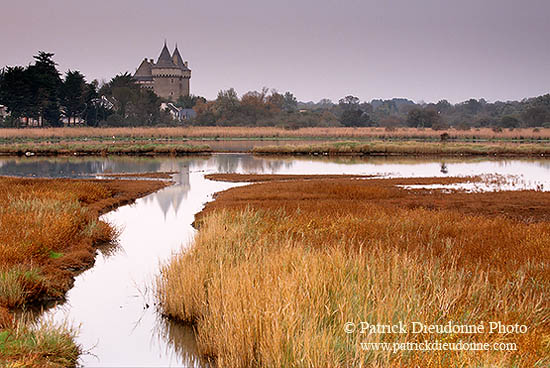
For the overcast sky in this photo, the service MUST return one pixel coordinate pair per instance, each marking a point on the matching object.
(422, 49)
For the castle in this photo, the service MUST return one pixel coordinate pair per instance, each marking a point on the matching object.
(168, 77)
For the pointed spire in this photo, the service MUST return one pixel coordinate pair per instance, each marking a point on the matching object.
(177, 59)
(164, 59)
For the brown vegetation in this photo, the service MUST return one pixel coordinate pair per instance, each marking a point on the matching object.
(279, 267)
(381, 148)
(49, 229)
(48, 233)
(102, 149)
(268, 132)
(522, 205)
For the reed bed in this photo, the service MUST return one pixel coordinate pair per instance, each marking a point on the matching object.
(380, 148)
(277, 269)
(270, 132)
(49, 230)
(95, 148)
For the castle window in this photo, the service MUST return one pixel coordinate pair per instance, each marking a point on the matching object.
(171, 81)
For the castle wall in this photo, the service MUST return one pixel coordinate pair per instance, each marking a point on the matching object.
(171, 87)
(184, 87)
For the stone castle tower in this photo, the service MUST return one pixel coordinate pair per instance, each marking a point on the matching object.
(168, 77)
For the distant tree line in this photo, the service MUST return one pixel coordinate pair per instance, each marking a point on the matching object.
(274, 109)
(40, 93)
(399, 112)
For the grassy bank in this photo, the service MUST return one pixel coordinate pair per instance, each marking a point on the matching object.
(12, 135)
(49, 232)
(408, 148)
(38, 345)
(279, 268)
(319, 141)
(102, 149)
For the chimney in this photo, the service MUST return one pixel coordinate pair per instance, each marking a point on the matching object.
(185, 64)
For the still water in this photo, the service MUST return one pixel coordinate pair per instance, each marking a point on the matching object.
(113, 303)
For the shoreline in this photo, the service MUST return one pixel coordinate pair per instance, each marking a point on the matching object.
(323, 148)
(248, 256)
(72, 210)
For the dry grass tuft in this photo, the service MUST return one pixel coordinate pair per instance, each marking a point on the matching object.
(45, 345)
(278, 268)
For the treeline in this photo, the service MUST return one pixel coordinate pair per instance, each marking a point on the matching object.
(38, 94)
(532, 112)
(255, 108)
(274, 109)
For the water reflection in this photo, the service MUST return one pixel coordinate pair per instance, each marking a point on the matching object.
(113, 303)
(181, 338)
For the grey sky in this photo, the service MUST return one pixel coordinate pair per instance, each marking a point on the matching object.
(422, 49)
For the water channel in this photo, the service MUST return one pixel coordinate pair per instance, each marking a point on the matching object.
(113, 302)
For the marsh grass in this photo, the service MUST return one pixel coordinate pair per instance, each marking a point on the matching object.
(49, 231)
(45, 344)
(266, 132)
(271, 281)
(99, 148)
(408, 148)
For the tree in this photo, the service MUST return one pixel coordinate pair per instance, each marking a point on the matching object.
(16, 92)
(349, 103)
(354, 118)
(93, 110)
(420, 117)
(188, 102)
(45, 86)
(146, 108)
(443, 106)
(123, 89)
(352, 115)
(73, 95)
(290, 104)
(509, 121)
(275, 102)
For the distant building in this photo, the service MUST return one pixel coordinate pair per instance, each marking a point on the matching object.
(178, 113)
(168, 77)
(186, 114)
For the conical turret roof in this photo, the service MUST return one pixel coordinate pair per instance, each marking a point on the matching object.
(177, 59)
(164, 60)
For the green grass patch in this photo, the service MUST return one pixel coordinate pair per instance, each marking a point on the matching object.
(40, 345)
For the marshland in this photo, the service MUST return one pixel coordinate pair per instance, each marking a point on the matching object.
(180, 141)
(319, 184)
(267, 271)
